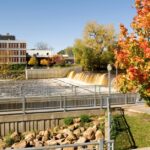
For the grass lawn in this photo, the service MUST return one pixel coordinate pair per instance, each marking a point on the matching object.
(132, 131)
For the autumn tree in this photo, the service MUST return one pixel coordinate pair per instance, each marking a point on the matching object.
(133, 53)
(33, 61)
(44, 62)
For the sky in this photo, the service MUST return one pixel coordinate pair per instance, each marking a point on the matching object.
(59, 22)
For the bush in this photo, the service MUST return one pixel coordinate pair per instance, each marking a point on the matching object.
(68, 121)
(9, 141)
(85, 118)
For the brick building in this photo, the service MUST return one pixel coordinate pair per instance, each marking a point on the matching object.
(12, 51)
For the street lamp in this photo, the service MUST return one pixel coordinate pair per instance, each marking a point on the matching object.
(109, 68)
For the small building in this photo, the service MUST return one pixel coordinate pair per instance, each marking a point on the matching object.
(39, 54)
(12, 51)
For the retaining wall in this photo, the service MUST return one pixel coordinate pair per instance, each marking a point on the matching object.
(38, 121)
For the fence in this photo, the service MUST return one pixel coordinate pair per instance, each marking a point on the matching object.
(32, 104)
(100, 145)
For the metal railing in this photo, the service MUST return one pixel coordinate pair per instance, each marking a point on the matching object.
(99, 145)
(30, 104)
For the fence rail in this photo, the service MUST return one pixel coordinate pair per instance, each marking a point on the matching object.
(99, 145)
(26, 104)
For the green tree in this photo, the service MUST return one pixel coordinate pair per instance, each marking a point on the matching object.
(96, 47)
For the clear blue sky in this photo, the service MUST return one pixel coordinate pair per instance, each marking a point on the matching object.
(60, 22)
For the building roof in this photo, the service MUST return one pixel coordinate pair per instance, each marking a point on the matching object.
(39, 53)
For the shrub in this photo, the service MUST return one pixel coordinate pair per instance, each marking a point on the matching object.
(84, 118)
(9, 141)
(68, 121)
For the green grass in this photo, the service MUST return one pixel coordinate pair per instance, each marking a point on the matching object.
(135, 133)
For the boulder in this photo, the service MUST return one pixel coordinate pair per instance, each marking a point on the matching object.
(41, 133)
(81, 140)
(29, 136)
(68, 148)
(46, 135)
(50, 142)
(39, 137)
(82, 129)
(98, 135)
(77, 132)
(71, 127)
(15, 136)
(65, 142)
(67, 131)
(76, 125)
(59, 136)
(96, 123)
(38, 143)
(89, 134)
(94, 128)
(71, 137)
(2, 144)
(76, 120)
(21, 144)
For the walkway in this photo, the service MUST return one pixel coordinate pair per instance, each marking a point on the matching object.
(137, 108)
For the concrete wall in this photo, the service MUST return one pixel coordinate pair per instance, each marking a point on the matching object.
(38, 121)
(50, 72)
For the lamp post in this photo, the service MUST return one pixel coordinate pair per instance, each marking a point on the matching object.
(109, 68)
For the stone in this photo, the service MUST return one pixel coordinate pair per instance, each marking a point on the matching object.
(38, 143)
(98, 135)
(41, 133)
(82, 129)
(76, 120)
(59, 136)
(21, 144)
(89, 134)
(71, 137)
(94, 128)
(76, 125)
(39, 137)
(50, 142)
(65, 142)
(60, 141)
(2, 144)
(69, 148)
(81, 140)
(67, 131)
(71, 127)
(29, 136)
(96, 123)
(15, 136)
(77, 132)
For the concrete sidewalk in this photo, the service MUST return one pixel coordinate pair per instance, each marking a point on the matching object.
(137, 108)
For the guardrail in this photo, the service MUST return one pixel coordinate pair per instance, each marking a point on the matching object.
(99, 145)
(32, 104)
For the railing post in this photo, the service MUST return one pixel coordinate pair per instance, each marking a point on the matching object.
(101, 144)
(60, 102)
(126, 100)
(64, 103)
(95, 96)
(24, 104)
(101, 102)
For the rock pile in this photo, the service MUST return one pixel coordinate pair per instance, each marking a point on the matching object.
(76, 133)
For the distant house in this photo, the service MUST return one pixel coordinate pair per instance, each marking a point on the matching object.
(39, 54)
(12, 51)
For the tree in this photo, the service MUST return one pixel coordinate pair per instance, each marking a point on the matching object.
(133, 53)
(44, 62)
(33, 61)
(78, 50)
(100, 41)
(98, 37)
(42, 46)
